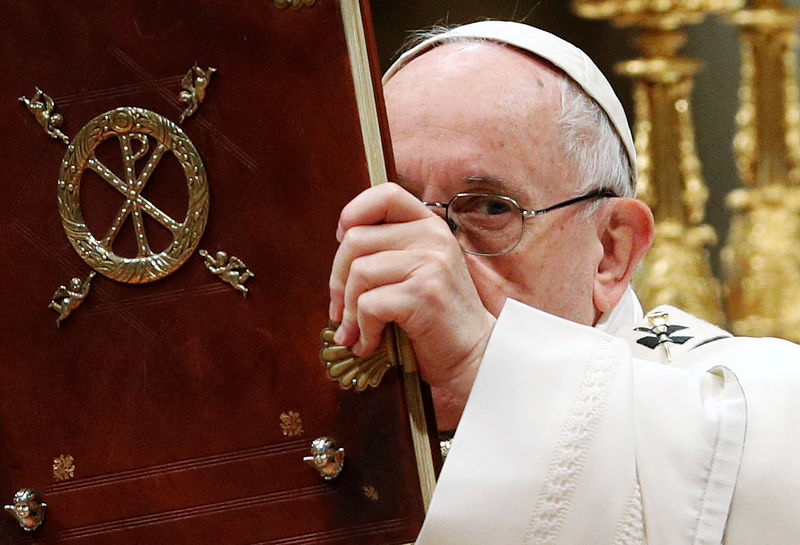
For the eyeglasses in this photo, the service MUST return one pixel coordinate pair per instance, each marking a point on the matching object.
(490, 225)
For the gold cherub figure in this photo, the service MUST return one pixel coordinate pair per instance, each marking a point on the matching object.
(42, 106)
(194, 82)
(68, 298)
(230, 269)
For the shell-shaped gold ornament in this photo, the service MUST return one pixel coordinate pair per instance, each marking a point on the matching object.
(351, 371)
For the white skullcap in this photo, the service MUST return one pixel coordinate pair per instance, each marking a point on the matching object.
(574, 62)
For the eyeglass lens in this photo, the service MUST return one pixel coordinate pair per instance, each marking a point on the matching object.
(485, 224)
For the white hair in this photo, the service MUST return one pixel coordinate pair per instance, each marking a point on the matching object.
(593, 143)
(589, 138)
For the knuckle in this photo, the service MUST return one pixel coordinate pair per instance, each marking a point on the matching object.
(336, 289)
(359, 271)
(439, 260)
(392, 190)
(365, 307)
(353, 237)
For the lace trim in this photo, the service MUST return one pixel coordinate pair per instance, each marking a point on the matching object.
(630, 528)
(572, 449)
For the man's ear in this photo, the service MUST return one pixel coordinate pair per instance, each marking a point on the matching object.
(625, 231)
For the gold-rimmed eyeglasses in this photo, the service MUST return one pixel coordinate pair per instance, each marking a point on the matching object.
(489, 225)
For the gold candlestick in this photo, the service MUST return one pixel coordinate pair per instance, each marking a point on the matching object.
(762, 257)
(676, 271)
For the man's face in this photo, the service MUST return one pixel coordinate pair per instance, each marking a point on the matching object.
(480, 117)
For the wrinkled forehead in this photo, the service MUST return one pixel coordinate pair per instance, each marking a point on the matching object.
(574, 63)
(470, 76)
(478, 111)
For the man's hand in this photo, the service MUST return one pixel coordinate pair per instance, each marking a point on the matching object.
(399, 262)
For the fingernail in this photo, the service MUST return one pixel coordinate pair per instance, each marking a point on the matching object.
(331, 309)
(339, 233)
(338, 337)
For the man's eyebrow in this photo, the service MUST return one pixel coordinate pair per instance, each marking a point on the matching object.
(484, 179)
(501, 186)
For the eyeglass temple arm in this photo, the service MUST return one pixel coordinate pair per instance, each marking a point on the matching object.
(450, 223)
(596, 194)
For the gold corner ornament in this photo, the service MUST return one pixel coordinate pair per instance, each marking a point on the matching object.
(351, 371)
(69, 297)
(28, 509)
(326, 457)
(43, 109)
(133, 128)
(229, 269)
(194, 84)
(296, 4)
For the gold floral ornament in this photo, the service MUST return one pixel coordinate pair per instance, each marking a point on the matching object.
(63, 468)
(370, 492)
(352, 371)
(291, 424)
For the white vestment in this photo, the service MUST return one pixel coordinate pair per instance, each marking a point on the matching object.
(580, 435)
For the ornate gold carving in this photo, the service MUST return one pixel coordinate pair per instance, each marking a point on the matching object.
(194, 84)
(767, 142)
(42, 107)
(350, 370)
(653, 13)
(762, 257)
(370, 492)
(230, 269)
(676, 271)
(68, 298)
(133, 128)
(762, 262)
(296, 4)
(63, 468)
(291, 424)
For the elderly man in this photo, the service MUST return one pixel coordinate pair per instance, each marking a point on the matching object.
(578, 419)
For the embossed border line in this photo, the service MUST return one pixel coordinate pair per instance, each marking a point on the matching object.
(362, 530)
(173, 467)
(170, 517)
